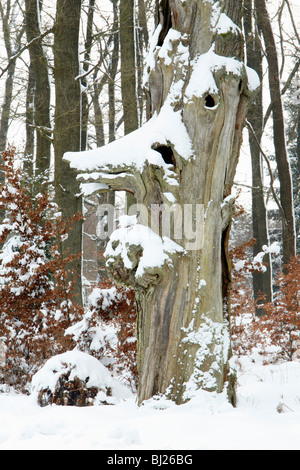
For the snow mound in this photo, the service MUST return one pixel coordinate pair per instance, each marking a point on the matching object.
(76, 367)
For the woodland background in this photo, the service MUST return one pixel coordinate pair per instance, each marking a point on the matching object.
(47, 287)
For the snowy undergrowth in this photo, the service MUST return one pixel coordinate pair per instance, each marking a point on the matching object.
(83, 367)
(267, 417)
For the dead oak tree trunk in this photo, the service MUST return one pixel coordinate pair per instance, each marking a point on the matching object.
(184, 157)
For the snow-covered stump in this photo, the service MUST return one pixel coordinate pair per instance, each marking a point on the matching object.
(184, 157)
(76, 379)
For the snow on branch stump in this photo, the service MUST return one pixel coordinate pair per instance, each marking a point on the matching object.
(180, 167)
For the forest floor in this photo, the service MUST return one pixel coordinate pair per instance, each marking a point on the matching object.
(267, 417)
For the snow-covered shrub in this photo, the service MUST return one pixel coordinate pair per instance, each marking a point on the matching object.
(35, 289)
(107, 330)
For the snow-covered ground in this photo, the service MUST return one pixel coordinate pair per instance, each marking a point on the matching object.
(267, 417)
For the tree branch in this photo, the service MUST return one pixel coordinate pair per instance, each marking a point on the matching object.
(30, 43)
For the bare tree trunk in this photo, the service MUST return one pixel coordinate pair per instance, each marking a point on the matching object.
(262, 282)
(112, 75)
(109, 78)
(187, 154)
(142, 42)
(143, 22)
(42, 86)
(284, 173)
(98, 115)
(6, 107)
(84, 96)
(128, 71)
(29, 148)
(7, 25)
(67, 132)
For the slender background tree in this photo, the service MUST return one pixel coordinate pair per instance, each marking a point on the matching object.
(283, 166)
(262, 282)
(67, 131)
(40, 77)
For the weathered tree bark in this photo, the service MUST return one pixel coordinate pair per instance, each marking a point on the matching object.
(284, 173)
(262, 281)
(42, 86)
(186, 153)
(67, 132)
